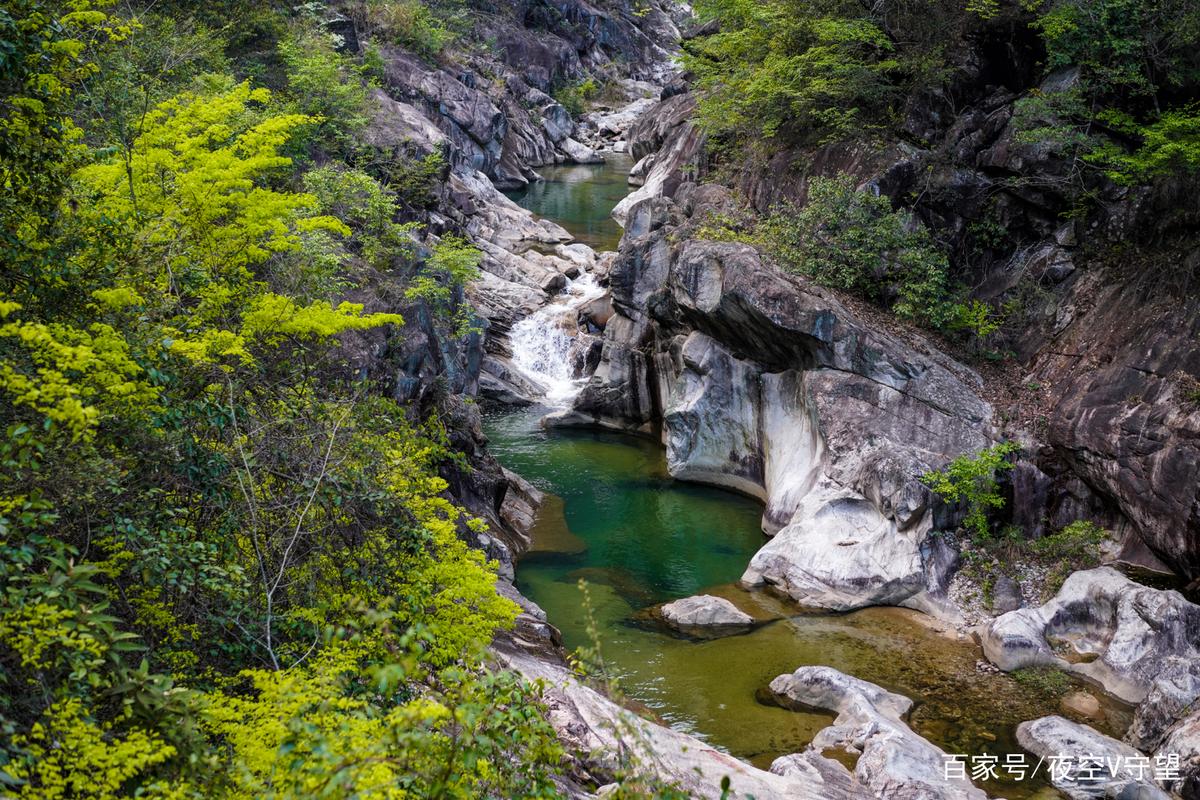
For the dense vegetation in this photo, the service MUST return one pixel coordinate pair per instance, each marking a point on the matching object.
(816, 70)
(229, 567)
(820, 71)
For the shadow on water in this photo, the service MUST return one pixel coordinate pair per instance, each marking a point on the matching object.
(640, 538)
(581, 199)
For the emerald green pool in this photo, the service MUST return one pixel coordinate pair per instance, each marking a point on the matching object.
(581, 199)
(618, 521)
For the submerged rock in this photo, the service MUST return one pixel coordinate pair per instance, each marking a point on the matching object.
(1103, 627)
(705, 614)
(1084, 704)
(1083, 763)
(894, 762)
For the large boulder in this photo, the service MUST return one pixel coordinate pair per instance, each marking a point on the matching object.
(893, 761)
(705, 615)
(1103, 627)
(1084, 764)
(839, 552)
(768, 385)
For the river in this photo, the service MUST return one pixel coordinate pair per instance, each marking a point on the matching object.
(617, 520)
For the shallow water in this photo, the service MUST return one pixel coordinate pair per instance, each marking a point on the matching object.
(581, 199)
(617, 520)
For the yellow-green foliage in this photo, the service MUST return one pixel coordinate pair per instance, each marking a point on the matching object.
(68, 374)
(228, 568)
(72, 756)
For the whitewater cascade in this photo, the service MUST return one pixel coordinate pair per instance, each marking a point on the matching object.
(543, 342)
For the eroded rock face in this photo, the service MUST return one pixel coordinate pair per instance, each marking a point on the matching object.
(1173, 694)
(705, 614)
(1183, 742)
(1091, 765)
(1102, 626)
(766, 384)
(667, 144)
(893, 762)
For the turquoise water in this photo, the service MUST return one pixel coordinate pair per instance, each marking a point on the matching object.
(618, 521)
(581, 199)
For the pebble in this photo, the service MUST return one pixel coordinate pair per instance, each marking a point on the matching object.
(1084, 704)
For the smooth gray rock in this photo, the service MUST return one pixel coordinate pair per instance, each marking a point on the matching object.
(894, 762)
(1006, 595)
(1073, 747)
(705, 612)
(839, 553)
(597, 729)
(812, 766)
(666, 142)
(1117, 633)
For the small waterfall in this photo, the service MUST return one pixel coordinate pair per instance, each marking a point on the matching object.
(543, 342)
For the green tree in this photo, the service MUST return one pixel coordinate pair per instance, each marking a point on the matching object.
(971, 480)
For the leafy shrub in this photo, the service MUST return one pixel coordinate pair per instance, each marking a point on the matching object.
(412, 24)
(815, 71)
(1168, 145)
(574, 97)
(329, 87)
(1080, 542)
(226, 569)
(1128, 115)
(453, 264)
(369, 208)
(415, 179)
(1131, 51)
(971, 479)
(1075, 547)
(851, 239)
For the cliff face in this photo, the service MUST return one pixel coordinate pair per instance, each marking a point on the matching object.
(767, 384)
(1102, 329)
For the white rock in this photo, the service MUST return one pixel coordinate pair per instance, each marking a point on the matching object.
(705, 611)
(895, 762)
(1089, 764)
(598, 729)
(839, 553)
(580, 153)
(1128, 631)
